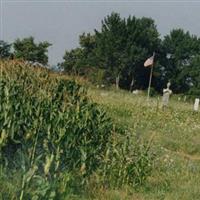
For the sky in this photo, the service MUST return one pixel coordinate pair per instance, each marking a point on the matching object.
(61, 22)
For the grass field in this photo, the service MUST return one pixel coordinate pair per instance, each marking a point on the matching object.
(175, 133)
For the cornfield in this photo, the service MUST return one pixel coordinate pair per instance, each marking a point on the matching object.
(52, 137)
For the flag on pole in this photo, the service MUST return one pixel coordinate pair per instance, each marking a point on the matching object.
(149, 61)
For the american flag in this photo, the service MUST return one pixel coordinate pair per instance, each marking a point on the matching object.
(149, 61)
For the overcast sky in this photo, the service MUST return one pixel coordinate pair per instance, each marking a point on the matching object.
(61, 22)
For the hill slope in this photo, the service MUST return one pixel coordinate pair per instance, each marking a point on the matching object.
(174, 136)
(176, 142)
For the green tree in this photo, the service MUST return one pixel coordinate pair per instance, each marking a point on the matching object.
(111, 43)
(88, 46)
(142, 41)
(73, 61)
(5, 50)
(30, 51)
(119, 50)
(180, 48)
(193, 77)
(124, 44)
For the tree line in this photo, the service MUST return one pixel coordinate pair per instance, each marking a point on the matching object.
(26, 49)
(115, 54)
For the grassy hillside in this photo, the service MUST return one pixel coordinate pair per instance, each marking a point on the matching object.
(56, 142)
(53, 118)
(176, 142)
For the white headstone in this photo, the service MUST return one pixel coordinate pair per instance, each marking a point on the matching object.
(166, 94)
(196, 104)
(135, 92)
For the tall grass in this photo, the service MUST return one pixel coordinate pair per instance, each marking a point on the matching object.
(175, 132)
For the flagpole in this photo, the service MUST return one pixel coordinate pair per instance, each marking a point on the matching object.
(150, 78)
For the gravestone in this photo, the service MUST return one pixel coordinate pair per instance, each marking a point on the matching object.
(135, 92)
(166, 94)
(196, 104)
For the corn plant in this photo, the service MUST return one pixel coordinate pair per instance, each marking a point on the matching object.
(52, 137)
(127, 161)
(49, 130)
